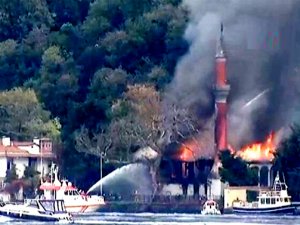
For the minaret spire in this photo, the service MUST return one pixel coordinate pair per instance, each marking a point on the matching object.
(222, 28)
(220, 49)
(222, 89)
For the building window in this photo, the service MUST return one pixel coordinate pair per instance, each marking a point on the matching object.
(32, 162)
(9, 164)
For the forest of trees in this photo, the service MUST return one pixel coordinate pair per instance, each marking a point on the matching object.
(90, 74)
(79, 66)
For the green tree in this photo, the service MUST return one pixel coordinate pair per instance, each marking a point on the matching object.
(288, 160)
(8, 63)
(57, 84)
(19, 17)
(138, 39)
(235, 171)
(30, 53)
(31, 180)
(13, 183)
(11, 174)
(69, 38)
(106, 15)
(68, 11)
(23, 116)
(106, 87)
(19, 61)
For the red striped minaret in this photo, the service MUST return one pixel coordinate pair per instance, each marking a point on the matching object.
(221, 93)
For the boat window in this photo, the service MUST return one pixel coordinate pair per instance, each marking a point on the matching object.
(48, 205)
(286, 200)
(63, 206)
(33, 204)
(60, 206)
(272, 200)
(56, 206)
(283, 187)
(267, 200)
(277, 199)
(277, 187)
(262, 201)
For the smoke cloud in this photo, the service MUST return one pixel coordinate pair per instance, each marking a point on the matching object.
(262, 50)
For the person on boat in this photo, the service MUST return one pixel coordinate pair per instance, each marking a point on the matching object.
(83, 194)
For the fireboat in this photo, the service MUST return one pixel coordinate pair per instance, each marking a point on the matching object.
(75, 202)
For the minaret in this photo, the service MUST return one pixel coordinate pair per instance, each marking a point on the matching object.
(221, 92)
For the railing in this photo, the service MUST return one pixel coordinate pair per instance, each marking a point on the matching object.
(162, 199)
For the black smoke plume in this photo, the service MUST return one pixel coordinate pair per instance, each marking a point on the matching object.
(262, 42)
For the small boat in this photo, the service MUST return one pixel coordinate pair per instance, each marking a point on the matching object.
(274, 201)
(210, 207)
(36, 209)
(75, 202)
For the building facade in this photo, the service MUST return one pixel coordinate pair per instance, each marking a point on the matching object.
(37, 153)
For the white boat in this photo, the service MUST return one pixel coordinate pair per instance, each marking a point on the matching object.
(275, 201)
(75, 202)
(37, 209)
(210, 207)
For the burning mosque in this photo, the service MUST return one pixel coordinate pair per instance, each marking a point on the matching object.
(247, 88)
(244, 90)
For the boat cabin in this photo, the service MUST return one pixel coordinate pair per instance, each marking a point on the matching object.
(210, 204)
(58, 190)
(277, 196)
(210, 207)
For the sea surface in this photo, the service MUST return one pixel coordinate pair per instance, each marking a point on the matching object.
(167, 219)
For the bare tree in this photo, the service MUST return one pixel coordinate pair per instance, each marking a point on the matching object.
(91, 143)
(150, 122)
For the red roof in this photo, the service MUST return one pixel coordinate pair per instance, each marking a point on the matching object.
(22, 143)
(14, 151)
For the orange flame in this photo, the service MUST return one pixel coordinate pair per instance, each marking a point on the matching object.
(187, 151)
(259, 151)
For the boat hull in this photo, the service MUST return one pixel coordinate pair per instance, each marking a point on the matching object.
(274, 210)
(43, 210)
(21, 215)
(83, 208)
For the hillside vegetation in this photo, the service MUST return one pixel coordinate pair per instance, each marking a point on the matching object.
(73, 63)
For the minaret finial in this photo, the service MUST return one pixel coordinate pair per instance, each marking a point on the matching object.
(222, 28)
(220, 50)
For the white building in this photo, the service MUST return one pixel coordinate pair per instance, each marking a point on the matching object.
(37, 153)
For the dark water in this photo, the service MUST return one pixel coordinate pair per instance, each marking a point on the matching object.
(168, 219)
